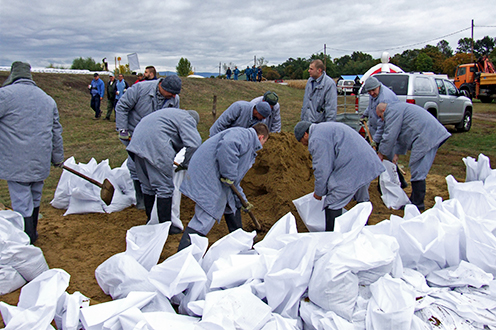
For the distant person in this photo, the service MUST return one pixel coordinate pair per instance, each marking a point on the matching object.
(356, 86)
(344, 164)
(248, 73)
(104, 64)
(139, 101)
(122, 87)
(111, 93)
(156, 140)
(241, 114)
(254, 73)
(259, 74)
(141, 77)
(150, 73)
(409, 127)
(273, 121)
(320, 102)
(219, 163)
(228, 73)
(97, 89)
(31, 137)
(236, 73)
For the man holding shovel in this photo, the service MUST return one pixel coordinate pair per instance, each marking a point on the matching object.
(156, 140)
(344, 165)
(220, 162)
(31, 138)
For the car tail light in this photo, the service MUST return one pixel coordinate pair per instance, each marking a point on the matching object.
(412, 101)
(356, 103)
(362, 132)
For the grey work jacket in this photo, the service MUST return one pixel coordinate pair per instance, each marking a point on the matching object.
(239, 114)
(320, 102)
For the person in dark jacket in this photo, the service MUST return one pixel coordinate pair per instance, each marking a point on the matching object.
(31, 137)
(111, 92)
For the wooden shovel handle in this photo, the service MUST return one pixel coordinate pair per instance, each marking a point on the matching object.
(245, 204)
(81, 175)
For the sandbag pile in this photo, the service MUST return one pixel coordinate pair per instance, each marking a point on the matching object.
(433, 270)
(20, 262)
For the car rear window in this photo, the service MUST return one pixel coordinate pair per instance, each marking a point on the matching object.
(397, 83)
(423, 86)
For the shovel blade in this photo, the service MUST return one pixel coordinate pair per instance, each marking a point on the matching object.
(107, 192)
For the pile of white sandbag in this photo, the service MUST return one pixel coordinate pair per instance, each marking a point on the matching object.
(433, 270)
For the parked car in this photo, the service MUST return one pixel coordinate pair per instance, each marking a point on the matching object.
(435, 93)
(345, 86)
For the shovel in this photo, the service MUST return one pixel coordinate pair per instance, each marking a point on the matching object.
(107, 191)
(245, 204)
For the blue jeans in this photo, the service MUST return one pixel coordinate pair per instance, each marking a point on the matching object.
(95, 104)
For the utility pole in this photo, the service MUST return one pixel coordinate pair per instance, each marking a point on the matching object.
(219, 69)
(472, 55)
(255, 60)
(325, 58)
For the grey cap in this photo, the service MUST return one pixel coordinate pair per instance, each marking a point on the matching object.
(18, 70)
(195, 115)
(271, 98)
(371, 83)
(300, 129)
(172, 84)
(264, 109)
(111, 74)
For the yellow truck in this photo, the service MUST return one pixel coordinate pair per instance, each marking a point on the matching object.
(477, 80)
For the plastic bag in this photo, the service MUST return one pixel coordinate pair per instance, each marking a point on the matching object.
(311, 212)
(392, 195)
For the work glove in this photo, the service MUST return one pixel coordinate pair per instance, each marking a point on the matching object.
(247, 208)
(373, 144)
(227, 182)
(124, 135)
(364, 119)
(181, 167)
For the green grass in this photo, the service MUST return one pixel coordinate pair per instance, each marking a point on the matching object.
(85, 138)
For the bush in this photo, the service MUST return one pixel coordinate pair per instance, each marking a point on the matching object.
(86, 64)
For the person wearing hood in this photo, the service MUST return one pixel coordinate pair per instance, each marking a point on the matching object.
(138, 102)
(241, 114)
(157, 139)
(221, 161)
(344, 164)
(320, 102)
(273, 121)
(31, 137)
(409, 127)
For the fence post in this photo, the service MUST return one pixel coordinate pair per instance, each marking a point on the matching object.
(214, 108)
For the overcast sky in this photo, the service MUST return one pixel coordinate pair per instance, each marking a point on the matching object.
(209, 32)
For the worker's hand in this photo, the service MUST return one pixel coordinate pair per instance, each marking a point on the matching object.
(381, 156)
(364, 119)
(247, 208)
(373, 144)
(317, 197)
(227, 182)
(395, 159)
(181, 167)
(124, 135)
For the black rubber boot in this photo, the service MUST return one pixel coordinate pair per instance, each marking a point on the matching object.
(148, 200)
(140, 203)
(164, 209)
(233, 221)
(36, 212)
(186, 240)
(330, 217)
(403, 183)
(418, 194)
(29, 229)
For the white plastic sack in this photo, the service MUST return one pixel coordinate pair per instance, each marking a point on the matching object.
(10, 279)
(311, 212)
(392, 195)
(145, 243)
(28, 260)
(475, 200)
(13, 217)
(462, 275)
(477, 170)
(481, 243)
(271, 243)
(124, 194)
(68, 307)
(170, 321)
(10, 233)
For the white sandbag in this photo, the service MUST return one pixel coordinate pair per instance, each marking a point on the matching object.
(10, 279)
(28, 260)
(462, 275)
(442, 318)
(15, 218)
(391, 306)
(145, 243)
(68, 307)
(311, 212)
(37, 317)
(271, 243)
(176, 273)
(62, 195)
(121, 274)
(477, 170)
(236, 270)
(132, 319)
(473, 197)
(10, 233)
(316, 318)
(170, 321)
(124, 194)
(481, 243)
(159, 303)
(392, 195)
(235, 308)
(93, 317)
(288, 278)
(277, 322)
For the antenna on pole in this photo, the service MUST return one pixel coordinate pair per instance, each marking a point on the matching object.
(325, 58)
(255, 60)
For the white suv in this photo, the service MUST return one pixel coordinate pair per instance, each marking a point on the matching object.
(435, 93)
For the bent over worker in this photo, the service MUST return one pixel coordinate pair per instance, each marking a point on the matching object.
(273, 120)
(31, 137)
(344, 165)
(156, 140)
(221, 161)
(241, 114)
(410, 127)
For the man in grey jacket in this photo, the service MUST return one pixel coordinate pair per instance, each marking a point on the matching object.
(410, 127)
(31, 138)
(139, 101)
(221, 161)
(344, 165)
(241, 114)
(273, 121)
(320, 102)
(156, 140)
